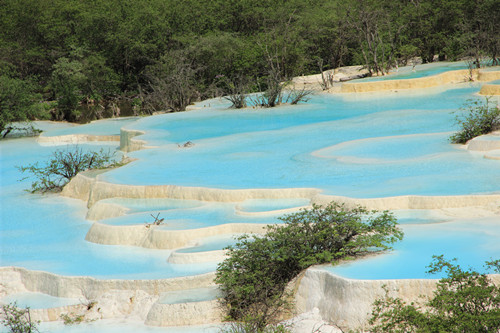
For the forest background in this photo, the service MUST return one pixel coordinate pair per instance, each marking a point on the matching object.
(106, 57)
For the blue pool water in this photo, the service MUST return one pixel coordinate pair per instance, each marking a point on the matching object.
(471, 241)
(399, 145)
(38, 300)
(205, 215)
(358, 145)
(423, 70)
(47, 232)
(266, 205)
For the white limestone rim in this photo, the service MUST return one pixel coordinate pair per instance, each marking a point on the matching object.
(113, 298)
(129, 142)
(326, 152)
(493, 154)
(105, 210)
(348, 302)
(92, 190)
(455, 76)
(197, 257)
(155, 238)
(54, 314)
(76, 138)
(183, 314)
(240, 211)
(483, 143)
(17, 279)
(490, 90)
(486, 201)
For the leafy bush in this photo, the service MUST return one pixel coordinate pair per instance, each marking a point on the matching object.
(465, 301)
(17, 320)
(254, 277)
(249, 327)
(18, 102)
(63, 166)
(72, 319)
(477, 119)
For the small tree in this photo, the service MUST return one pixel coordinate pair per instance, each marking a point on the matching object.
(254, 277)
(464, 301)
(17, 320)
(173, 83)
(63, 166)
(476, 119)
(235, 89)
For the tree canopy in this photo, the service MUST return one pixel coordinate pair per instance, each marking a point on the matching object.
(254, 277)
(88, 52)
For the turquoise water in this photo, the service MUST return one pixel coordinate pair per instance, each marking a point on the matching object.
(47, 232)
(38, 300)
(472, 241)
(205, 215)
(399, 146)
(369, 145)
(269, 205)
(423, 70)
(158, 204)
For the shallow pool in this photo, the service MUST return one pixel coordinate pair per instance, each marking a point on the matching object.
(421, 70)
(471, 241)
(358, 145)
(47, 232)
(371, 145)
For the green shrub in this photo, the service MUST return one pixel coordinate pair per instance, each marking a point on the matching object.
(64, 165)
(18, 103)
(476, 119)
(254, 277)
(464, 301)
(17, 320)
(249, 327)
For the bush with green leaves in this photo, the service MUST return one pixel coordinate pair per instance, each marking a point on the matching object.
(254, 277)
(17, 320)
(250, 327)
(476, 118)
(52, 175)
(464, 301)
(18, 103)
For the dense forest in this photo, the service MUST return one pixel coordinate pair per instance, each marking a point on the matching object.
(57, 56)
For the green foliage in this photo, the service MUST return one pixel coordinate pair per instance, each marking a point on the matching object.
(465, 301)
(476, 118)
(18, 102)
(249, 327)
(52, 175)
(254, 277)
(93, 51)
(17, 320)
(234, 90)
(72, 319)
(67, 80)
(172, 83)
